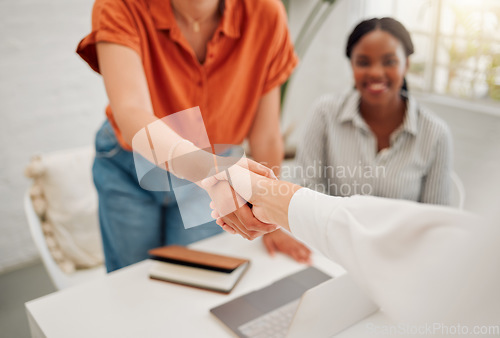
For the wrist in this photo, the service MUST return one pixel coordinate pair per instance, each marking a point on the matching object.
(275, 196)
(191, 163)
(177, 150)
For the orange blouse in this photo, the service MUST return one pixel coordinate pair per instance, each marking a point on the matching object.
(249, 54)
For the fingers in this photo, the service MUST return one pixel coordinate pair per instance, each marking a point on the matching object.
(241, 218)
(251, 165)
(270, 246)
(212, 180)
(224, 226)
(231, 221)
(288, 245)
(301, 254)
(246, 217)
(227, 228)
(257, 168)
(243, 223)
(230, 226)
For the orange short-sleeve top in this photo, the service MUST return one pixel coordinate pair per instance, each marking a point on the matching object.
(249, 54)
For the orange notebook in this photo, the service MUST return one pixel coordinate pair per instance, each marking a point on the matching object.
(181, 265)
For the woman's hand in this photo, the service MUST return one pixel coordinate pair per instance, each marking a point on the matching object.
(230, 191)
(268, 196)
(280, 241)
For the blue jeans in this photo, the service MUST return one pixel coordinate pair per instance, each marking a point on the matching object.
(134, 220)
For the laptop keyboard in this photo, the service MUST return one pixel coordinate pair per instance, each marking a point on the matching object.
(272, 324)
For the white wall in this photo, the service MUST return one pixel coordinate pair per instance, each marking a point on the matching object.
(324, 69)
(49, 100)
(475, 128)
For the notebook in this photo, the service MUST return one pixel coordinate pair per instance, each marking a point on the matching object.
(181, 265)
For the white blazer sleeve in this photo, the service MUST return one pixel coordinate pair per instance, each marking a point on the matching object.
(418, 262)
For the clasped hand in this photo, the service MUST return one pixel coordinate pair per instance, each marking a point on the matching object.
(239, 189)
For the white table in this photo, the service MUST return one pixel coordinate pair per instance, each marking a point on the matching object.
(126, 303)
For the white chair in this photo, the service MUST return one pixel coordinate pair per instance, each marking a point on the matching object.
(70, 240)
(457, 191)
(60, 279)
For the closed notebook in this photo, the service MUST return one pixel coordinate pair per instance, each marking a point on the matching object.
(200, 269)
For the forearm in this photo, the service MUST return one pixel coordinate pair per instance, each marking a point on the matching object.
(264, 138)
(132, 109)
(268, 151)
(162, 146)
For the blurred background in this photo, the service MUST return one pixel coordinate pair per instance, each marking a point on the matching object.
(51, 100)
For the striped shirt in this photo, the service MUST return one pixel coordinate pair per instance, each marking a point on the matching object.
(338, 154)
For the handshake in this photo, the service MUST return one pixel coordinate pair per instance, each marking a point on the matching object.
(249, 187)
(174, 154)
(247, 198)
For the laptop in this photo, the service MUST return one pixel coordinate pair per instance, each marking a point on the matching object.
(308, 303)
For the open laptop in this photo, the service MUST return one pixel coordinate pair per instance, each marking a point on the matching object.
(308, 303)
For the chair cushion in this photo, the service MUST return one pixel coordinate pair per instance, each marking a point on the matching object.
(65, 199)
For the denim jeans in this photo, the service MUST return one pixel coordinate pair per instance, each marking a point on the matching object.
(134, 220)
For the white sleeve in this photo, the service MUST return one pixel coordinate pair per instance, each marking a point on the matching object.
(418, 262)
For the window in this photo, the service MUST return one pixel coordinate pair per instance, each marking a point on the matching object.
(457, 44)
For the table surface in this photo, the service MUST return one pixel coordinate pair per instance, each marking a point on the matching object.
(126, 303)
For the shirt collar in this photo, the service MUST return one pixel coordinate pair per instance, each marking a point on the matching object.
(350, 113)
(232, 19)
(230, 25)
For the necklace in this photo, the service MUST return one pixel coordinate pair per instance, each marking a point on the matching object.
(194, 23)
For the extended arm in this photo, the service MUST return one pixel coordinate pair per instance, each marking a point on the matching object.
(266, 143)
(418, 262)
(128, 94)
(130, 100)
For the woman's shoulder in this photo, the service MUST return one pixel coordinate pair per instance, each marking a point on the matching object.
(430, 124)
(127, 3)
(331, 105)
(263, 6)
(267, 14)
(132, 7)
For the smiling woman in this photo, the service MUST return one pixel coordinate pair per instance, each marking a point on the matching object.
(378, 124)
(379, 50)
